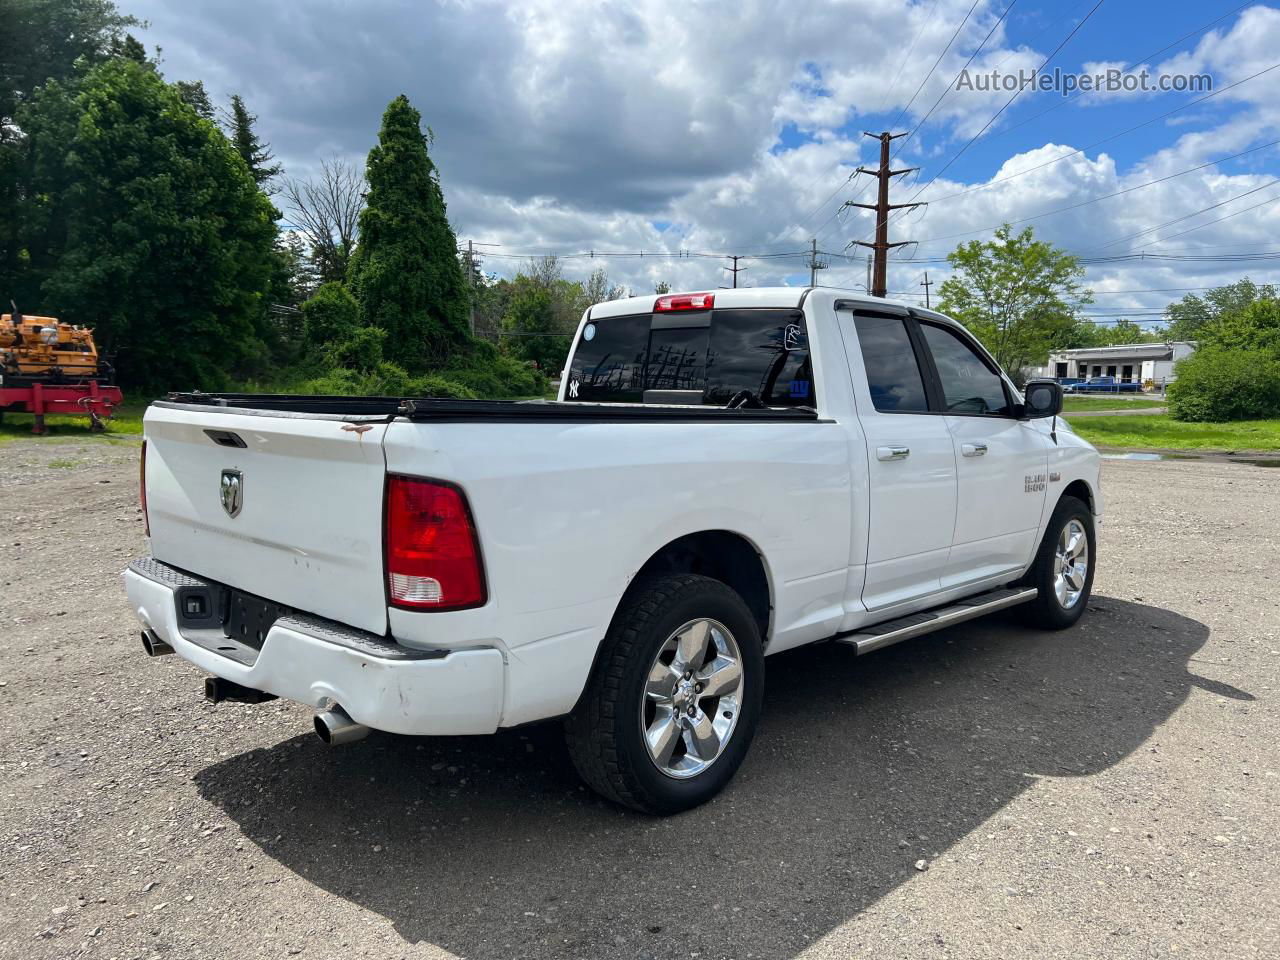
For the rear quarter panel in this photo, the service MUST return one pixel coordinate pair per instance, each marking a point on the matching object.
(567, 514)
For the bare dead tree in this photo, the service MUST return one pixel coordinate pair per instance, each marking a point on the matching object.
(326, 211)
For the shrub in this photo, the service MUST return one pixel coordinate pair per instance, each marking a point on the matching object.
(436, 386)
(495, 376)
(1216, 384)
(360, 350)
(331, 315)
(385, 380)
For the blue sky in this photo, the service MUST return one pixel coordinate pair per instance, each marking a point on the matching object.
(658, 125)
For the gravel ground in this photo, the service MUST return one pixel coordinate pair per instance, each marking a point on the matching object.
(985, 792)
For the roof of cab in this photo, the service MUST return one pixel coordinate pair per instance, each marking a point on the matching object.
(740, 297)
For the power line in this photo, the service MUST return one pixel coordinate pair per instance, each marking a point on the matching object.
(959, 73)
(901, 112)
(1108, 196)
(1097, 143)
(1116, 258)
(958, 154)
(1210, 223)
(1188, 216)
(947, 89)
(1063, 101)
(645, 255)
(1059, 103)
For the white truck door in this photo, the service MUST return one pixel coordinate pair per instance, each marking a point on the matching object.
(910, 456)
(1001, 461)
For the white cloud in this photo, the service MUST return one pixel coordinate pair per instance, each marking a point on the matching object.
(572, 125)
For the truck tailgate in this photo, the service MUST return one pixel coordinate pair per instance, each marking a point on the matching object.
(306, 528)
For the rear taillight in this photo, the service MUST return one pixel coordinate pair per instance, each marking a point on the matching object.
(142, 490)
(684, 301)
(433, 558)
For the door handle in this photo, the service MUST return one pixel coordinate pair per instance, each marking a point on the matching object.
(973, 449)
(892, 453)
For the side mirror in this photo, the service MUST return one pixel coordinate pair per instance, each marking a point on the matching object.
(1042, 398)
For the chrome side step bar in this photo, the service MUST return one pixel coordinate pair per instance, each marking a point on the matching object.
(904, 628)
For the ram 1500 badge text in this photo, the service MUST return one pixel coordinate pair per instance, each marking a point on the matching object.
(724, 475)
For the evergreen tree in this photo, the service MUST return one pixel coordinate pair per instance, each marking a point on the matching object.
(149, 228)
(405, 272)
(193, 92)
(256, 154)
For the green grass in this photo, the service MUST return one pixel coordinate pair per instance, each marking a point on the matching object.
(1073, 402)
(126, 424)
(1162, 432)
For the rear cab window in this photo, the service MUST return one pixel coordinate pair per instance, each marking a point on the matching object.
(893, 374)
(704, 357)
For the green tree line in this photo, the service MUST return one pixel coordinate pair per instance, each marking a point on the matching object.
(134, 205)
(1022, 298)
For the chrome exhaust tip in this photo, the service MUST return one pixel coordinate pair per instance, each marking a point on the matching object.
(335, 726)
(154, 646)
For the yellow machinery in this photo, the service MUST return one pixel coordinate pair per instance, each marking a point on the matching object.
(44, 347)
(52, 367)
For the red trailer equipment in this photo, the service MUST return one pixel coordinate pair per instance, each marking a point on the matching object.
(52, 367)
(89, 397)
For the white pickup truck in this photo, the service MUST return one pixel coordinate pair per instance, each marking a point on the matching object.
(723, 476)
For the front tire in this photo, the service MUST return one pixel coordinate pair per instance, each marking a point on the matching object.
(1063, 569)
(673, 703)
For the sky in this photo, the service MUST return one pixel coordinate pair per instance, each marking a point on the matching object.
(571, 126)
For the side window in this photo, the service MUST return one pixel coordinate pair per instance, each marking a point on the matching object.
(893, 375)
(763, 351)
(968, 384)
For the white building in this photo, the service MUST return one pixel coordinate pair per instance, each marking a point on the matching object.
(1147, 363)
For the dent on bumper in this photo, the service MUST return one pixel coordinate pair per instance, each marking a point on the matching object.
(459, 693)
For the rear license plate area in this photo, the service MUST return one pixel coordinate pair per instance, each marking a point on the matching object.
(250, 618)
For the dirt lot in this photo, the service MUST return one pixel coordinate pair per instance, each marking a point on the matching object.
(986, 792)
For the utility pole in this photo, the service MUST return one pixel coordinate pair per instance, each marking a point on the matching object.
(882, 206)
(473, 275)
(867, 285)
(814, 263)
(471, 281)
(735, 270)
(926, 283)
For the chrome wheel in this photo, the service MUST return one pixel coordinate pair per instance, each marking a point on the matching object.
(691, 698)
(1071, 564)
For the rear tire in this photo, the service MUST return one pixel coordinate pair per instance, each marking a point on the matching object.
(1063, 568)
(674, 700)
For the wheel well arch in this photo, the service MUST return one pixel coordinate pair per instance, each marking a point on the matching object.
(721, 555)
(1081, 491)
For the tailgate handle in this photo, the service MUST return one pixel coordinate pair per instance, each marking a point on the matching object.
(225, 438)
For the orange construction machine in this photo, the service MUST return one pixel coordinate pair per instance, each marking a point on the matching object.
(51, 367)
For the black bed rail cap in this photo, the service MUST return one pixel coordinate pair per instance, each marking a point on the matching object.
(526, 411)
